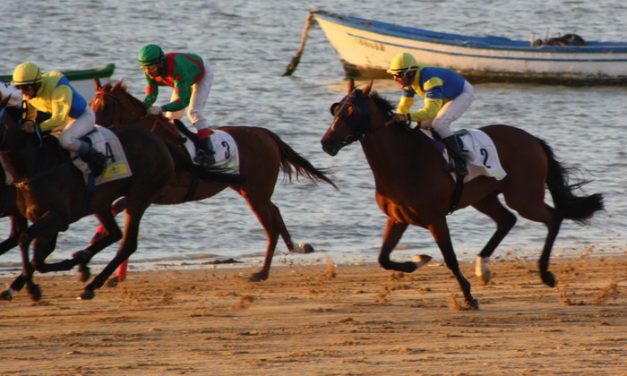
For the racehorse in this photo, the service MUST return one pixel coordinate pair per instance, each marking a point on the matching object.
(262, 155)
(52, 194)
(414, 184)
(8, 208)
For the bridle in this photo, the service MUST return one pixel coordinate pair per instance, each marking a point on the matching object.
(358, 120)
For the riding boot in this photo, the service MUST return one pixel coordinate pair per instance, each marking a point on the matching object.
(204, 153)
(454, 148)
(97, 161)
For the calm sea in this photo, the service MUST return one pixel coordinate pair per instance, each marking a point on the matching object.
(249, 44)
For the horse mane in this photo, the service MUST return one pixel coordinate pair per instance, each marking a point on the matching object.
(382, 104)
(121, 86)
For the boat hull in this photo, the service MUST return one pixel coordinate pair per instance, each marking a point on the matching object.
(366, 47)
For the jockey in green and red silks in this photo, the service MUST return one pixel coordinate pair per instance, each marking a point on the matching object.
(191, 80)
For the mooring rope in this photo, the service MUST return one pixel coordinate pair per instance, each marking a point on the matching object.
(291, 67)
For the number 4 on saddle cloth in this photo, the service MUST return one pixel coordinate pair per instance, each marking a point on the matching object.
(107, 143)
(480, 154)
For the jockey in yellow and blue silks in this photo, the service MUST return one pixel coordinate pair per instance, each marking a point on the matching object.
(191, 79)
(447, 95)
(70, 116)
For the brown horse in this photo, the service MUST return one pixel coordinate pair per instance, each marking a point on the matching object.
(8, 208)
(262, 155)
(414, 185)
(52, 194)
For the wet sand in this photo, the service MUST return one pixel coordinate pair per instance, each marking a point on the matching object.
(326, 320)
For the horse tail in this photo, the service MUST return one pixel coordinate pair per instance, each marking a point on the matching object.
(570, 206)
(293, 163)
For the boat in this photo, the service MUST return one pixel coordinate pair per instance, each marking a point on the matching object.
(366, 47)
(83, 79)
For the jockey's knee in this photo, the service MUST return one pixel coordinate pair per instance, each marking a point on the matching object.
(442, 129)
(69, 142)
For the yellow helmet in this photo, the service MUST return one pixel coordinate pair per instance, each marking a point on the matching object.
(402, 62)
(26, 73)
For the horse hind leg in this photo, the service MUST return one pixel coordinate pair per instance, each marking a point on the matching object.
(268, 215)
(505, 220)
(542, 213)
(287, 238)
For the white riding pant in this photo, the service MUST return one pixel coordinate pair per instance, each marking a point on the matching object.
(75, 129)
(200, 94)
(452, 111)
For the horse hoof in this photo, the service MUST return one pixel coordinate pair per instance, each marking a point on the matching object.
(302, 247)
(87, 295)
(257, 277)
(548, 279)
(421, 260)
(473, 304)
(6, 295)
(83, 274)
(484, 277)
(35, 293)
(113, 281)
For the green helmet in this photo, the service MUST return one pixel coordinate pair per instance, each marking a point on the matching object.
(149, 55)
(26, 74)
(402, 62)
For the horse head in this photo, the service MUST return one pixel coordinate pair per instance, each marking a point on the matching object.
(359, 113)
(113, 104)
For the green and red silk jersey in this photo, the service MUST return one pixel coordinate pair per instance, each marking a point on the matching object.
(180, 71)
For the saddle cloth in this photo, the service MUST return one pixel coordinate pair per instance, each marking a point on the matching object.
(226, 151)
(106, 142)
(480, 152)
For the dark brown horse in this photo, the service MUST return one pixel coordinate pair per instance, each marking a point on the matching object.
(52, 194)
(262, 155)
(8, 208)
(414, 185)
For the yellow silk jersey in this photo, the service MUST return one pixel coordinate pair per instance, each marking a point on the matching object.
(57, 97)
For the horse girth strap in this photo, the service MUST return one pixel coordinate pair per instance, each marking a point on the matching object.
(457, 193)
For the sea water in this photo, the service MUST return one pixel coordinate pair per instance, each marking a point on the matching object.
(249, 43)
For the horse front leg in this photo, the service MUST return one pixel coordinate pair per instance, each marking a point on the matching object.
(391, 236)
(439, 231)
(127, 247)
(504, 220)
(110, 234)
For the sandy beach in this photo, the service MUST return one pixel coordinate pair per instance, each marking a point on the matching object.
(326, 320)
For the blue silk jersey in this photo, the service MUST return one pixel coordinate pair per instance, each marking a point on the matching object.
(437, 86)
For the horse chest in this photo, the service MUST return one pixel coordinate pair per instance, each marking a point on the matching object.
(404, 212)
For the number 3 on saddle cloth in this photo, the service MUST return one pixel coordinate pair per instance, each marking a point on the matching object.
(480, 153)
(226, 152)
(107, 143)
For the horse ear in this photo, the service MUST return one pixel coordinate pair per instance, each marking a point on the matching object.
(97, 83)
(4, 101)
(367, 89)
(351, 85)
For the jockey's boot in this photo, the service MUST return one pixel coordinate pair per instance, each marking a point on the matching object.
(455, 152)
(205, 153)
(96, 160)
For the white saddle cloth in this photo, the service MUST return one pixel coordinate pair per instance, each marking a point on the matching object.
(226, 152)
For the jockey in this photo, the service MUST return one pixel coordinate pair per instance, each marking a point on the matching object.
(69, 113)
(447, 95)
(191, 80)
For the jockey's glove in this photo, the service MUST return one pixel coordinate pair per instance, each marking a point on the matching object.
(154, 110)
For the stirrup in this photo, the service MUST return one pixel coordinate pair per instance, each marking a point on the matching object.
(204, 159)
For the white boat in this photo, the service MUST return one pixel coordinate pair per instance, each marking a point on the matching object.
(83, 79)
(366, 47)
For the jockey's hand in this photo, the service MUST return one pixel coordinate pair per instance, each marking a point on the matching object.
(28, 126)
(154, 110)
(402, 118)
